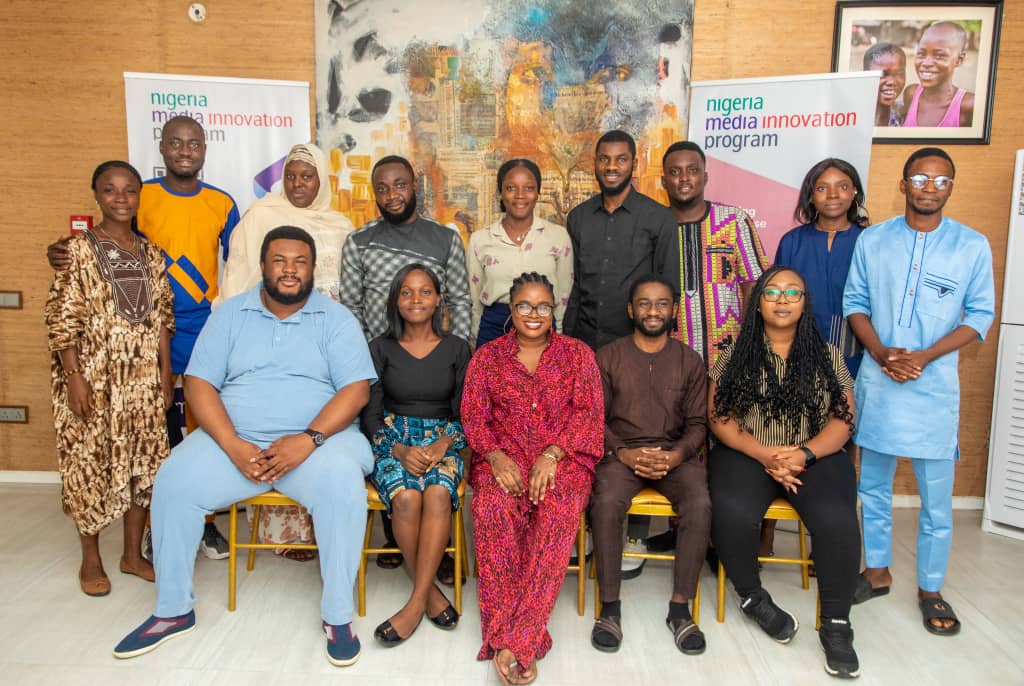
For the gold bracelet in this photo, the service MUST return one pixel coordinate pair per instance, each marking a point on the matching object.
(68, 373)
(551, 456)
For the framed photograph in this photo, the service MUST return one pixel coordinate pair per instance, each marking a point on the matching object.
(937, 62)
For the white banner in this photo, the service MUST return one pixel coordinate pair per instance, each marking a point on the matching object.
(250, 126)
(761, 136)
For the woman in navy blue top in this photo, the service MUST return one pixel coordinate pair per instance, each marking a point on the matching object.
(832, 216)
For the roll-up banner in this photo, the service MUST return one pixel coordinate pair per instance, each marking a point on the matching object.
(250, 125)
(762, 135)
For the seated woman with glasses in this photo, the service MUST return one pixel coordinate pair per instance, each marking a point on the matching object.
(413, 426)
(533, 410)
(780, 404)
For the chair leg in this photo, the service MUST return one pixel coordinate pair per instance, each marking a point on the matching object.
(458, 540)
(465, 545)
(696, 603)
(721, 592)
(581, 566)
(232, 557)
(361, 577)
(805, 576)
(254, 536)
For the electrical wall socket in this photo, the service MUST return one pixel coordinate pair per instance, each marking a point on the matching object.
(18, 414)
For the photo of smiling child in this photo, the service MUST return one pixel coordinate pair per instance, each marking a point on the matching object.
(936, 64)
(892, 62)
(936, 100)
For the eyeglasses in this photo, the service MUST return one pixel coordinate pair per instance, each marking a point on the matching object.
(790, 295)
(524, 309)
(178, 144)
(919, 181)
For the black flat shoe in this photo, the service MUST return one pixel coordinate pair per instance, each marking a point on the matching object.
(387, 636)
(446, 619)
(390, 560)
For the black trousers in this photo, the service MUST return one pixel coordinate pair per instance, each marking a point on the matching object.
(741, 492)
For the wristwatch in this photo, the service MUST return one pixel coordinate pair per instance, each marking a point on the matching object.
(811, 457)
(318, 438)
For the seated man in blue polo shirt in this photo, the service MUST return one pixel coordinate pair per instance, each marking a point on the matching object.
(276, 381)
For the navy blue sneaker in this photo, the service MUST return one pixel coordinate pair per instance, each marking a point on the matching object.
(342, 644)
(152, 633)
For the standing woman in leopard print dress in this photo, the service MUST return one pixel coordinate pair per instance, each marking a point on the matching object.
(110, 320)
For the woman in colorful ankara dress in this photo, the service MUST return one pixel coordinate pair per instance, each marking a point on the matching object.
(532, 408)
(110, 317)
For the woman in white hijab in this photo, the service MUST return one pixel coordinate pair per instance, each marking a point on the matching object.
(304, 201)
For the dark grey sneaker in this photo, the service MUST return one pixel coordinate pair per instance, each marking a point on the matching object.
(775, 621)
(147, 544)
(213, 545)
(836, 637)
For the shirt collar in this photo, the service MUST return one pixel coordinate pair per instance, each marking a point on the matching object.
(317, 302)
(498, 231)
(629, 204)
(937, 229)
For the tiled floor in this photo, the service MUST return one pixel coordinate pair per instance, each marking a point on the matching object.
(50, 633)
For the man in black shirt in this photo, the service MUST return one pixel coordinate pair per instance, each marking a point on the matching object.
(617, 236)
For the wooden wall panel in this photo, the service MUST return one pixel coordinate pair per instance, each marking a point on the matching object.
(63, 112)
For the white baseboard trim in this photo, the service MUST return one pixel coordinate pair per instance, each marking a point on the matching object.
(18, 476)
(960, 502)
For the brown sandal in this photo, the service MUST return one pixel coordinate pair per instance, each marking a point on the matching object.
(296, 554)
(95, 587)
(518, 676)
(497, 667)
(144, 573)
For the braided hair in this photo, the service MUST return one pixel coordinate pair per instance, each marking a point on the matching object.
(809, 380)
(527, 278)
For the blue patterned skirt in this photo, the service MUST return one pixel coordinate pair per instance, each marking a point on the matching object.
(389, 476)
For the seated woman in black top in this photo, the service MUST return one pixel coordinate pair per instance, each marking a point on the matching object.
(412, 422)
(780, 404)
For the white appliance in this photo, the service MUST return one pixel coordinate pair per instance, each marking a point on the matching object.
(1004, 492)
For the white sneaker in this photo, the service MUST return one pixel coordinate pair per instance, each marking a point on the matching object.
(633, 566)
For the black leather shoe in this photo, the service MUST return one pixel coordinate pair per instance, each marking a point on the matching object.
(446, 619)
(387, 636)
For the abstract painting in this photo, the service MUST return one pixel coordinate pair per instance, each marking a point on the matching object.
(460, 86)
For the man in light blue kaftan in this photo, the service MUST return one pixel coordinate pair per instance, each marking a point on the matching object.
(920, 287)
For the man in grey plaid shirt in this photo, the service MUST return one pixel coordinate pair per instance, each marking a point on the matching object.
(374, 254)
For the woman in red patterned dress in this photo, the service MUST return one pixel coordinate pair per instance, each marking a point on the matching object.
(532, 410)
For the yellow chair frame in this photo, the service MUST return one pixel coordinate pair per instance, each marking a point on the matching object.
(458, 549)
(580, 567)
(779, 509)
(653, 504)
(268, 498)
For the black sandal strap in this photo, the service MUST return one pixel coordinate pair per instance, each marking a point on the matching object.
(609, 626)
